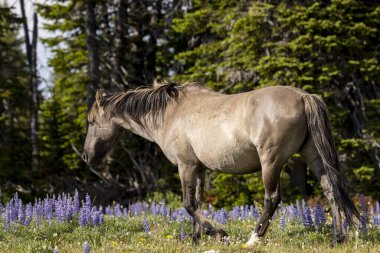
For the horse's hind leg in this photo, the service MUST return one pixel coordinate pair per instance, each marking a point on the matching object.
(310, 155)
(271, 177)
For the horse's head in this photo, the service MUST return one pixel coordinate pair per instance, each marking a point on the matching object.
(102, 132)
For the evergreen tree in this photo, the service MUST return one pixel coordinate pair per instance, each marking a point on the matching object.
(15, 149)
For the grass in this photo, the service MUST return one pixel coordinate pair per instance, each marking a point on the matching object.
(128, 235)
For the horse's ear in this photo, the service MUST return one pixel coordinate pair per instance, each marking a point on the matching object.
(99, 96)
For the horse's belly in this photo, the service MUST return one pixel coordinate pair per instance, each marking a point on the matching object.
(234, 159)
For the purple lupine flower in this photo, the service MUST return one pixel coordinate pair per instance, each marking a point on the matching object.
(8, 216)
(76, 201)
(246, 212)
(282, 221)
(108, 211)
(307, 220)
(101, 218)
(146, 226)
(55, 250)
(125, 212)
(137, 208)
(15, 205)
(254, 212)
(70, 210)
(86, 247)
(28, 214)
(234, 213)
(21, 213)
(87, 203)
(298, 210)
(95, 218)
(82, 217)
(319, 215)
(154, 209)
(182, 234)
(48, 209)
(60, 210)
(163, 209)
(118, 211)
(221, 216)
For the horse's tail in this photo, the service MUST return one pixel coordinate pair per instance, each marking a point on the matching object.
(320, 130)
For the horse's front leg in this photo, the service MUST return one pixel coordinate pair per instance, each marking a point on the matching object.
(205, 223)
(192, 180)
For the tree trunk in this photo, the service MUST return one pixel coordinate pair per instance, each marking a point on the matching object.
(93, 54)
(119, 61)
(31, 51)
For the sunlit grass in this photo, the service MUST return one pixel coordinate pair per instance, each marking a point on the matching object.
(128, 235)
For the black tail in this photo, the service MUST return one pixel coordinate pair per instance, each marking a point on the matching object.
(320, 129)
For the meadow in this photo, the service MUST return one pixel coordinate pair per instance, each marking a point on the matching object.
(66, 223)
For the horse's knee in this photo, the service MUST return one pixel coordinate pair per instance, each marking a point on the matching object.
(273, 201)
(190, 209)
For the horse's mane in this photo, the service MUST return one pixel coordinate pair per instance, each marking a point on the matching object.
(138, 103)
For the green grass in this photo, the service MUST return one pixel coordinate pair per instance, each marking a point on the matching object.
(127, 235)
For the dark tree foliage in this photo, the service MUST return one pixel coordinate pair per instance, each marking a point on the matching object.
(330, 48)
(15, 146)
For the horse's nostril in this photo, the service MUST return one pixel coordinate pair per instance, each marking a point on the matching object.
(84, 157)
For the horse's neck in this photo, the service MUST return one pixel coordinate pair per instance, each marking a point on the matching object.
(143, 131)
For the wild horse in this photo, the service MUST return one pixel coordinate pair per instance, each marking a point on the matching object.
(198, 129)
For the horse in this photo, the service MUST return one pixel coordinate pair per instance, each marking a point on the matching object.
(199, 129)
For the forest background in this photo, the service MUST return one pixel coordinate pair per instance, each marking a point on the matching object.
(330, 48)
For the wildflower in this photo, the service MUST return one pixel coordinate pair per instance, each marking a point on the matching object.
(146, 226)
(70, 210)
(21, 213)
(319, 215)
(282, 221)
(298, 213)
(169, 237)
(234, 214)
(76, 201)
(8, 215)
(154, 209)
(87, 202)
(48, 209)
(118, 211)
(221, 216)
(95, 218)
(108, 211)
(28, 214)
(163, 209)
(182, 234)
(307, 220)
(125, 212)
(55, 250)
(82, 217)
(86, 247)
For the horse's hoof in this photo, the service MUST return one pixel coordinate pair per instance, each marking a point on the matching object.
(253, 240)
(340, 239)
(196, 238)
(220, 235)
